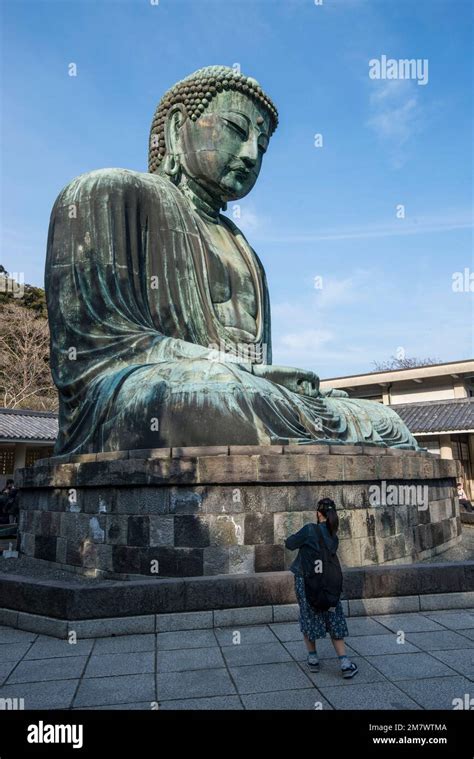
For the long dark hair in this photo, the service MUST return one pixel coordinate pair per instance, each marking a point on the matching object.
(327, 508)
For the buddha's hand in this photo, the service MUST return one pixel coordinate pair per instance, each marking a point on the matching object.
(297, 380)
(332, 392)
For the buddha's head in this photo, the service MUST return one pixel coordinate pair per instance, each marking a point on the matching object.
(214, 126)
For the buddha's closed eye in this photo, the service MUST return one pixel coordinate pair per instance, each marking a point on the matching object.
(237, 125)
(263, 143)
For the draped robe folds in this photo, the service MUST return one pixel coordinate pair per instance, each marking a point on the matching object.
(134, 333)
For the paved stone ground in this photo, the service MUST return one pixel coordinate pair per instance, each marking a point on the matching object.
(208, 669)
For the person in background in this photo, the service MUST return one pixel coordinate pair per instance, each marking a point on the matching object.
(315, 625)
(9, 503)
(3, 509)
(463, 499)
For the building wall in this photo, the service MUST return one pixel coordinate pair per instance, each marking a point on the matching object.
(418, 393)
(457, 447)
(15, 456)
(430, 388)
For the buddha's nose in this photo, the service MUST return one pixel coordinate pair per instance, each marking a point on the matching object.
(249, 152)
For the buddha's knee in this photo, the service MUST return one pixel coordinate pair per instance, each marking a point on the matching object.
(205, 371)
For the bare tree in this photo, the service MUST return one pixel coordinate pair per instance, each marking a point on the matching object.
(403, 363)
(25, 377)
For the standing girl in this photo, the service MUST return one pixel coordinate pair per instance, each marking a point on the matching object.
(313, 624)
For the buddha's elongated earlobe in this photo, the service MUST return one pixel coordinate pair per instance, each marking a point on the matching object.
(172, 161)
(171, 165)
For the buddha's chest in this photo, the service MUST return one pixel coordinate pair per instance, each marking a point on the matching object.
(230, 281)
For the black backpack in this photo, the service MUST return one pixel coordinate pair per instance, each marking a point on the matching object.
(323, 588)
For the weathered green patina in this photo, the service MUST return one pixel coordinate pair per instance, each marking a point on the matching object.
(159, 308)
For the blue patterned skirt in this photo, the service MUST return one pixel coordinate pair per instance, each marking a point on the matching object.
(316, 624)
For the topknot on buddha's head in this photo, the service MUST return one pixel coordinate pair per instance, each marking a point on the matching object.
(195, 92)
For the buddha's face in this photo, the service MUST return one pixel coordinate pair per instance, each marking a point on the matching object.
(223, 149)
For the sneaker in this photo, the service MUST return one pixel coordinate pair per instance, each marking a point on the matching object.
(313, 661)
(350, 671)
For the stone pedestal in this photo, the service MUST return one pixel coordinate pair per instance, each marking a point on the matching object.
(214, 511)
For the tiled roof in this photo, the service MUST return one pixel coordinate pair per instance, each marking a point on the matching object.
(432, 416)
(438, 416)
(25, 424)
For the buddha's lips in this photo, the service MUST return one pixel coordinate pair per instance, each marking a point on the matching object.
(240, 171)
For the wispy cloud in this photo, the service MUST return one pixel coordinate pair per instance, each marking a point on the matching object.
(332, 294)
(363, 317)
(401, 227)
(396, 115)
(247, 218)
(303, 343)
(336, 292)
(312, 348)
(349, 341)
(305, 340)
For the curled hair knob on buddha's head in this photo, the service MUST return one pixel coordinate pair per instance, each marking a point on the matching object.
(194, 94)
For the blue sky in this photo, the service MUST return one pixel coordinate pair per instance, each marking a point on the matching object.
(325, 211)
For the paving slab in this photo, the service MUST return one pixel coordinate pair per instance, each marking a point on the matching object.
(287, 631)
(189, 659)
(457, 619)
(462, 661)
(186, 639)
(258, 653)
(14, 651)
(365, 626)
(439, 641)
(105, 665)
(206, 669)
(437, 692)
(224, 703)
(144, 706)
(467, 633)
(52, 694)
(247, 635)
(263, 678)
(46, 647)
(410, 666)
(408, 622)
(304, 699)
(368, 696)
(5, 669)
(39, 670)
(380, 645)
(125, 644)
(100, 691)
(208, 682)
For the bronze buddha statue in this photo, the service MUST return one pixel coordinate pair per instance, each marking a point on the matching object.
(159, 308)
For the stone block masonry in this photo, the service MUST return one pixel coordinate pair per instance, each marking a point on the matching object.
(189, 512)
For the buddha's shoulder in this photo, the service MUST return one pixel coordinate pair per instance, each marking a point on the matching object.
(113, 183)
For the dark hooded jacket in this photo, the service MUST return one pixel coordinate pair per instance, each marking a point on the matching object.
(307, 541)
